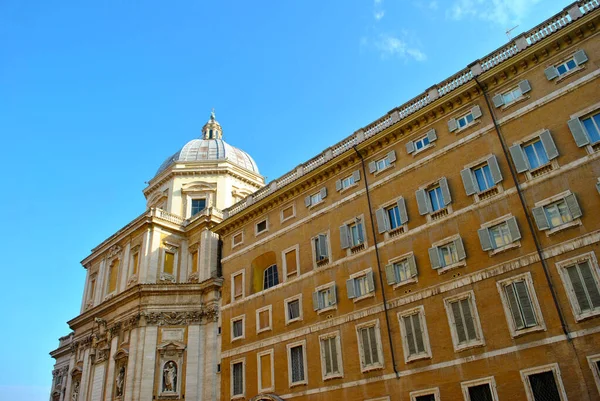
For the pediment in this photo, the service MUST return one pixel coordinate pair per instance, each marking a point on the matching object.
(122, 353)
(172, 346)
(199, 186)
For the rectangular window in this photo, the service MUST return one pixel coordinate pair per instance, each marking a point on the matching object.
(414, 334)
(297, 373)
(592, 127)
(237, 328)
(237, 239)
(291, 262)
(135, 262)
(565, 67)
(270, 277)
(511, 95)
(287, 213)
(316, 198)
(324, 297)
(456, 124)
(352, 235)
(447, 254)
(583, 280)
(558, 70)
(543, 383)
(369, 347)
(169, 262)
(393, 214)
(401, 271)
(464, 321)
(382, 164)
(356, 233)
(557, 213)
(237, 379)
(265, 370)
(263, 319)
(481, 392)
(520, 304)
(198, 205)
(421, 143)
(321, 248)
(483, 177)
(414, 147)
(348, 181)
(536, 154)
(499, 236)
(261, 226)
(238, 285)
(464, 120)
(331, 356)
(360, 285)
(436, 198)
(293, 309)
(433, 198)
(391, 218)
(432, 394)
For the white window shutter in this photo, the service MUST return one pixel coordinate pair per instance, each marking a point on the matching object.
(370, 282)
(422, 202)
(380, 216)
(372, 167)
(452, 126)
(579, 133)
(539, 215)
(573, 206)
(350, 288)
(431, 135)
(344, 237)
(391, 156)
(412, 265)
(434, 258)
(516, 151)
(525, 86)
(356, 175)
(402, 211)
(323, 192)
(315, 297)
(390, 275)
(410, 147)
(513, 229)
(307, 201)
(498, 101)
(338, 185)
(513, 304)
(484, 239)
(460, 248)
(333, 290)
(494, 169)
(323, 249)
(551, 73)
(549, 145)
(445, 191)
(476, 112)
(468, 181)
(580, 57)
(525, 302)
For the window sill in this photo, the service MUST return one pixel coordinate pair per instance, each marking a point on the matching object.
(322, 262)
(411, 280)
(371, 368)
(416, 152)
(287, 218)
(565, 226)
(357, 248)
(263, 330)
(569, 73)
(516, 244)
(473, 344)
(521, 99)
(384, 169)
(296, 384)
(237, 339)
(327, 309)
(236, 245)
(418, 357)
(315, 205)
(369, 295)
(587, 315)
(256, 234)
(348, 188)
(488, 193)
(466, 127)
(522, 332)
(541, 170)
(396, 232)
(298, 319)
(453, 266)
(333, 376)
(238, 397)
(438, 214)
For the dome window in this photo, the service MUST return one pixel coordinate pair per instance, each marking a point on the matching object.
(198, 205)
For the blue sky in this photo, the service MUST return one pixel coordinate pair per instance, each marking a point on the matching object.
(94, 95)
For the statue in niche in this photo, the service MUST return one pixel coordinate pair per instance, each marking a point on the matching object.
(120, 381)
(75, 393)
(170, 377)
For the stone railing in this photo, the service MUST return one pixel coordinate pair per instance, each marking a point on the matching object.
(164, 215)
(497, 57)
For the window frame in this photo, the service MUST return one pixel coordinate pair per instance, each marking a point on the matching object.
(197, 198)
(490, 380)
(590, 258)
(286, 301)
(514, 331)
(284, 219)
(380, 363)
(574, 222)
(554, 368)
(269, 352)
(517, 148)
(169, 247)
(233, 243)
(231, 385)
(592, 361)
(388, 161)
(426, 354)
(579, 130)
(435, 391)
(338, 343)
(269, 309)
(266, 221)
(478, 342)
(398, 259)
(263, 277)
(359, 275)
(233, 276)
(234, 320)
(487, 226)
(461, 261)
(285, 272)
(325, 261)
(325, 287)
(289, 363)
(424, 204)
(346, 228)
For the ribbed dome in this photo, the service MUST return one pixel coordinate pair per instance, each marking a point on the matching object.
(198, 150)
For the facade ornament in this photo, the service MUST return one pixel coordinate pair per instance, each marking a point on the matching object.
(170, 377)
(75, 392)
(120, 382)
(175, 318)
(113, 251)
(193, 278)
(166, 277)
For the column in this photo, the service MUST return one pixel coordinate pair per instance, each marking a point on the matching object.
(193, 369)
(131, 364)
(85, 376)
(149, 363)
(111, 369)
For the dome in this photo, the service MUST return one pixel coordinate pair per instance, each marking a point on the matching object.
(211, 148)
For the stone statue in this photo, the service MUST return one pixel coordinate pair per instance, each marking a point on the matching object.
(75, 393)
(120, 382)
(170, 377)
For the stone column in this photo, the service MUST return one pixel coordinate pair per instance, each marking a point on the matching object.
(85, 376)
(72, 361)
(149, 363)
(124, 273)
(131, 364)
(193, 372)
(99, 291)
(110, 375)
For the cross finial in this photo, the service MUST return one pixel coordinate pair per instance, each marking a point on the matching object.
(212, 114)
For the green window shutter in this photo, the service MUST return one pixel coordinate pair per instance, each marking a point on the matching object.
(380, 216)
(350, 288)
(513, 229)
(445, 191)
(412, 265)
(525, 303)
(434, 258)
(578, 131)
(338, 185)
(573, 206)
(551, 73)
(494, 169)
(390, 275)
(516, 151)
(498, 101)
(421, 196)
(410, 147)
(460, 249)
(513, 305)
(322, 246)
(484, 239)
(452, 126)
(468, 181)
(580, 57)
(356, 175)
(539, 215)
(476, 112)
(370, 282)
(549, 145)
(344, 237)
(432, 135)
(402, 211)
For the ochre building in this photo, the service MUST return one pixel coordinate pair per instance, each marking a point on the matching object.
(447, 251)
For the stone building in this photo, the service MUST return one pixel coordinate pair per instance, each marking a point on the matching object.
(149, 323)
(447, 251)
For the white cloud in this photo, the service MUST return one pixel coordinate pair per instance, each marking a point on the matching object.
(379, 14)
(392, 46)
(378, 11)
(502, 12)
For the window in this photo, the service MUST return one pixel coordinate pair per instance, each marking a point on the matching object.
(564, 67)
(499, 236)
(237, 379)
(288, 212)
(413, 147)
(401, 271)
(325, 297)
(534, 154)
(293, 309)
(382, 164)
(415, 339)
(434, 197)
(314, 199)
(347, 182)
(581, 278)
(391, 218)
(113, 274)
(270, 277)
(261, 227)
(512, 95)
(594, 362)
(266, 370)
(263, 319)
(369, 346)
(557, 213)
(198, 205)
(135, 262)
(296, 363)
(520, 304)
(331, 355)
(586, 130)
(543, 383)
(464, 321)
(456, 124)
(237, 287)
(290, 262)
(431, 394)
(237, 239)
(482, 177)
(237, 328)
(480, 390)
(321, 249)
(448, 254)
(351, 235)
(360, 285)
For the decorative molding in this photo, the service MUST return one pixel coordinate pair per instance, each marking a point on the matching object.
(204, 315)
(114, 250)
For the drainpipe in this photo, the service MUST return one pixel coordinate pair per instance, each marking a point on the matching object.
(528, 217)
(385, 307)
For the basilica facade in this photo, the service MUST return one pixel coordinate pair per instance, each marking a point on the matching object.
(446, 251)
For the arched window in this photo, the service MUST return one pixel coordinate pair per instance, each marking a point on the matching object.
(270, 277)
